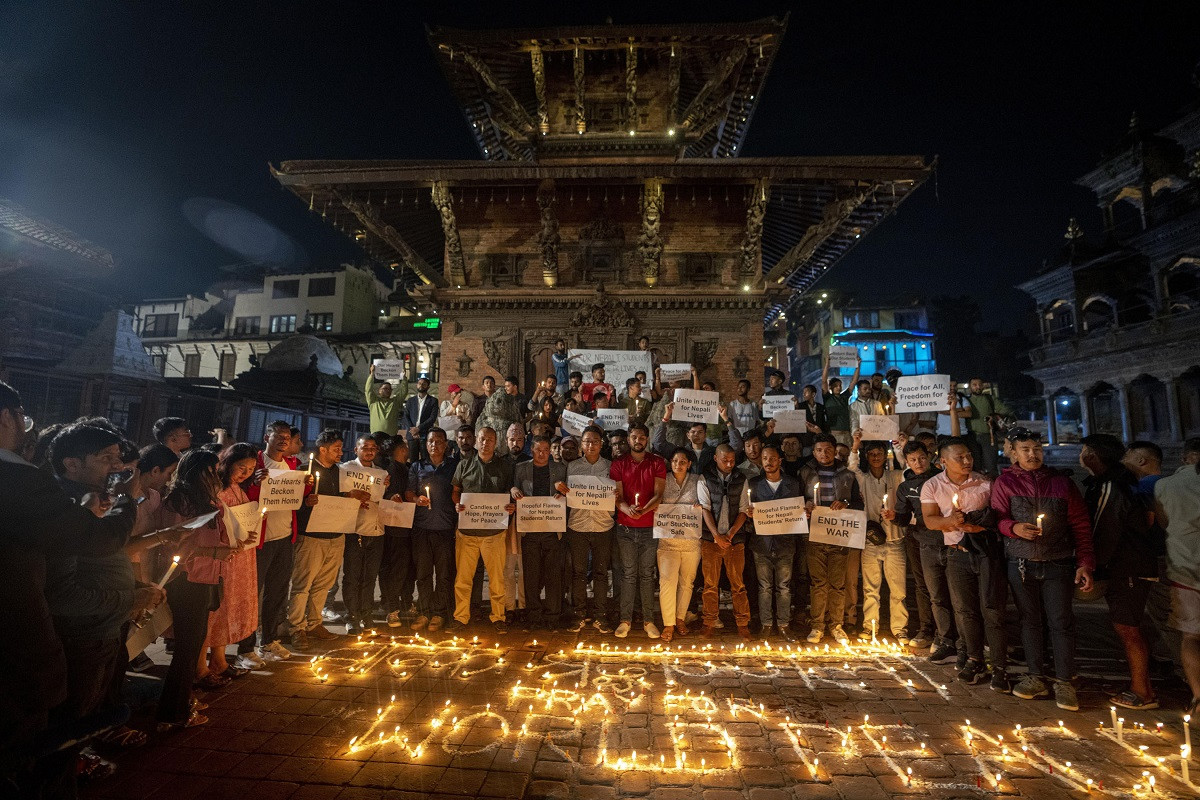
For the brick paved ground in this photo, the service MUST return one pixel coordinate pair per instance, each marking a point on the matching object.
(546, 719)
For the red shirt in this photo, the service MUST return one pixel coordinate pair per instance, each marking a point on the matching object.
(587, 390)
(637, 484)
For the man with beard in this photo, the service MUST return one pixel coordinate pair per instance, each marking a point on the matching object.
(641, 477)
(386, 406)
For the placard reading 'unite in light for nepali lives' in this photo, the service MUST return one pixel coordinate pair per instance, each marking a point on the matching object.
(591, 493)
(696, 405)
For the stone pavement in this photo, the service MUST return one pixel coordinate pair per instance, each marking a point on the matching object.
(596, 717)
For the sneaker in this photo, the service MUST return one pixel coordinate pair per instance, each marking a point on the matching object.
(601, 625)
(864, 635)
(1000, 682)
(690, 617)
(651, 630)
(921, 641)
(420, 623)
(943, 654)
(1031, 687)
(322, 633)
(500, 627)
(249, 660)
(785, 633)
(960, 661)
(815, 635)
(718, 624)
(353, 628)
(393, 619)
(275, 651)
(1064, 696)
(329, 615)
(435, 624)
(300, 640)
(839, 635)
(622, 630)
(901, 639)
(972, 672)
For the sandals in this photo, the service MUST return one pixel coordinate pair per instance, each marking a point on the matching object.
(92, 767)
(193, 720)
(211, 681)
(1130, 699)
(668, 633)
(233, 672)
(681, 627)
(125, 736)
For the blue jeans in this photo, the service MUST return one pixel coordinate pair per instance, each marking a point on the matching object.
(773, 566)
(1045, 587)
(639, 554)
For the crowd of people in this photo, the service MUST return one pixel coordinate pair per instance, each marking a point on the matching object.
(101, 533)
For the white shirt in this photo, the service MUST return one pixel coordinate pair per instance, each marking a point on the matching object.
(279, 523)
(368, 518)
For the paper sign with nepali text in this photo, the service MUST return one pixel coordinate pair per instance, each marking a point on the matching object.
(696, 405)
(334, 514)
(574, 423)
(677, 521)
(885, 427)
(484, 511)
(847, 527)
(780, 517)
(923, 393)
(794, 420)
(541, 515)
(368, 479)
(248, 517)
(282, 490)
(619, 365)
(396, 514)
(674, 372)
(774, 403)
(612, 419)
(843, 357)
(591, 493)
(389, 369)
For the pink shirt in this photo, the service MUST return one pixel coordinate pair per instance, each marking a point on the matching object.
(974, 493)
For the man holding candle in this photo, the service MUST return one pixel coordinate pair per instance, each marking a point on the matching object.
(957, 502)
(1044, 564)
(773, 555)
(830, 484)
(430, 486)
(884, 560)
(641, 477)
(489, 473)
(923, 547)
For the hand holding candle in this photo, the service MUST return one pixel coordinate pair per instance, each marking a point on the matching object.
(954, 502)
(816, 492)
(1040, 517)
(312, 458)
(170, 572)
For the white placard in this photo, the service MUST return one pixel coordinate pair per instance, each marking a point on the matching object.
(773, 404)
(282, 490)
(619, 365)
(334, 514)
(780, 517)
(396, 514)
(141, 638)
(612, 419)
(389, 369)
(923, 393)
(847, 527)
(696, 405)
(843, 356)
(541, 515)
(248, 516)
(369, 479)
(574, 423)
(591, 493)
(484, 511)
(794, 420)
(885, 427)
(674, 372)
(450, 425)
(677, 521)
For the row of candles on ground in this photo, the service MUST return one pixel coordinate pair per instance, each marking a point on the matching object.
(1185, 749)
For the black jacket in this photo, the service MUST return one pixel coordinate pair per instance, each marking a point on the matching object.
(908, 507)
(40, 521)
(1121, 530)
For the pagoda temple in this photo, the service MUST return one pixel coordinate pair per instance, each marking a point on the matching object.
(611, 200)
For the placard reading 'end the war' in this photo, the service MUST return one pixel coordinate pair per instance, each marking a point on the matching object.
(282, 490)
(923, 393)
(541, 515)
(612, 419)
(847, 527)
(368, 479)
(696, 405)
(780, 517)
(591, 493)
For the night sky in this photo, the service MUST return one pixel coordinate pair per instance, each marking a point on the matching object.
(148, 127)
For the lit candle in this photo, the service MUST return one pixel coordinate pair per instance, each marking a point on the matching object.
(1112, 710)
(1120, 730)
(883, 505)
(170, 571)
(748, 500)
(816, 492)
(1040, 517)
(312, 457)
(428, 496)
(636, 497)
(1187, 732)
(1185, 753)
(954, 502)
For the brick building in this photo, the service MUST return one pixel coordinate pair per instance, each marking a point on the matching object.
(611, 201)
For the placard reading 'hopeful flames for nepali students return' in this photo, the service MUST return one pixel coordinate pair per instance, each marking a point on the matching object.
(591, 493)
(677, 521)
(484, 511)
(696, 405)
(780, 517)
(282, 490)
(619, 365)
(389, 369)
(847, 527)
(923, 393)
(541, 514)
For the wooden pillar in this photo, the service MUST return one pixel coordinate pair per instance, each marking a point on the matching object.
(1085, 412)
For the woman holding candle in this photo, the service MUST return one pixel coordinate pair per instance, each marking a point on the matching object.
(678, 559)
(193, 591)
(237, 618)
